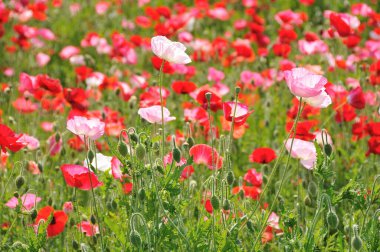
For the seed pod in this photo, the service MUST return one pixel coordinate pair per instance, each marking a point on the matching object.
(307, 201)
(122, 148)
(312, 189)
(226, 205)
(16, 195)
(230, 177)
(176, 155)
(135, 238)
(90, 155)
(332, 219)
(160, 169)
(40, 167)
(114, 204)
(140, 151)
(93, 219)
(20, 181)
(241, 194)
(215, 202)
(141, 194)
(196, 213)
(57, 137)
(208, 96)
(328, 149)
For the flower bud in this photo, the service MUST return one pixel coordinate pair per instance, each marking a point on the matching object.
(75, 245)
(135, 238)
(16, 195)
(141, 194)
(140, 151)
(208, 96)
(160, 169)
(332, 219)
(33, 214)
(134, 137)
(215, 202)
(176, 155)
(312, 189)
(90, 156)
(122, 148)
(93, 219)
(230, 177)
(190, 141)
(20, 181)
(250, 226)
(226, 205)
(328, 149)
(196, 213)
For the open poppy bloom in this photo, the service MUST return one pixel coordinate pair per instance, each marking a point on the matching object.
(262, 155)
(153, 114)
(356, 98)
(83, 127)
(87, 228)
(28, 200)
(173, 52)
(240, 112)
(80, 177)
(215, 101)
(183, 87)
(9, 140)
(204, 154)
(57, 223)
(303, 150)
(253, 177)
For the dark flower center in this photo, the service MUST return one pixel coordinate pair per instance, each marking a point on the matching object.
(52, 221)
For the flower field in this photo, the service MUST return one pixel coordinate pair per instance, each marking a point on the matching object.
(195, 125)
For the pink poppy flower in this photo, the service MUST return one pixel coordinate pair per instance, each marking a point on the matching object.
(173, 52)
(303, 150)
(204, 154)
(241, 114)
(80, 177)
(54, 146)
(254, 177)
(323, 100)
(30, 142)
(81, 126)
(115, 169)
(42, 59)
(153, 114)
(303, 83)
(69, 51)
(88, 228)
(102, 7)
(28, 200)
(215, 75)
(68, 207)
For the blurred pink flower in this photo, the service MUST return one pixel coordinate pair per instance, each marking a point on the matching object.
(42, 59)
(81, 126)
(215, 75)
(30, 142)
(88, 228)
(303, 150)
(28, 200)
(54, 146)
(68, 207)
(303, 83)
(69, 51)
(173, 52)
(153, 114)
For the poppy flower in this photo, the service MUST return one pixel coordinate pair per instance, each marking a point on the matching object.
(373, 128)
(183, 87)
(240, 112)
(304, 83)
(100, 162)
(127, 188)
(215, 101)
(80, 177)
(57, 223)
(204, 154)
(50, 84)
(83, 127)
(252, 192)
(88, 228)
(262, 155)
(167, 68)
(173, 52)
(356, 98)
(24, 106)
(340, 25)
(302, 130)
(303, 150)
(9, 140)
(77, 98)
(153, 114)
(254, 177)
(28, 201)
(373, 146)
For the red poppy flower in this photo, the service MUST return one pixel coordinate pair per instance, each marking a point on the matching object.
(77, 97)
(252, 192)
(262, 155)
(342, 27)
(281, 50)
(45, 82)
(373, 128)
(356, 98)
(215, 101)
(373, 146)
(156, 61)
(204, 154)
(241, 112)
(80, 177)
(8, 139)
(87, 228)
(183, 87)
(57, 223)
(208, 206)
(253, 177)
(24, 106)
(302, 130)
(127, 188)
(359, 129)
